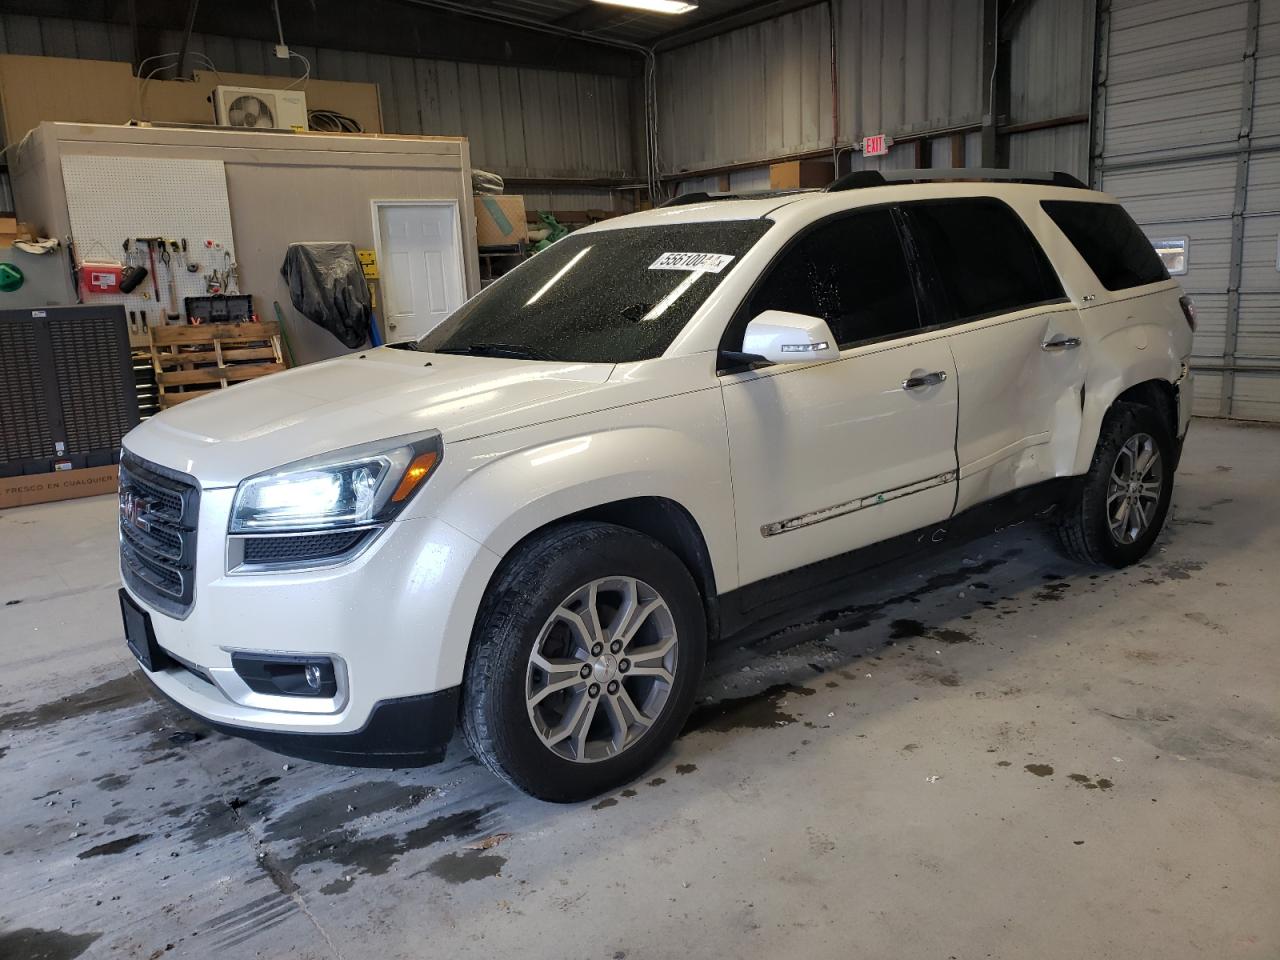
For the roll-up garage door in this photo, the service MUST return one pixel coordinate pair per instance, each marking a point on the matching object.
(1187, 135)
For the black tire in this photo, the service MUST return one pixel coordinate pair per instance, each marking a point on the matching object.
(1083, 527)
(528, 587)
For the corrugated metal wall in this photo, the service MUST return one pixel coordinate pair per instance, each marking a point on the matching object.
(1189, 107)
(521, 122)
(1051, 76)
(905, 67)
(760, 92)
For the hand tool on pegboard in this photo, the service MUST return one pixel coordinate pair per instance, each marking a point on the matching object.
(167, 259)
(132, 274)
(151, 256)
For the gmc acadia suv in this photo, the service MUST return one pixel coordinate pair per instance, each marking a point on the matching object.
(654, 433)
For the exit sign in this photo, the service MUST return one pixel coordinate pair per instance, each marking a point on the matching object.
(876, 145)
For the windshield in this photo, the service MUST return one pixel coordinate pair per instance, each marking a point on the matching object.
(612, 296)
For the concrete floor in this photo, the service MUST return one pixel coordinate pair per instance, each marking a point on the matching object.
(1000, 754)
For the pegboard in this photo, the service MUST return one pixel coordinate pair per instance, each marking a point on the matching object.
(111, 198)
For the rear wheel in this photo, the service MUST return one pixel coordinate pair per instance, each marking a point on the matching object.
(585, 661)
(1120, 506)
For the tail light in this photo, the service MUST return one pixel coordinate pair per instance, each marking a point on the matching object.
(1189, 311)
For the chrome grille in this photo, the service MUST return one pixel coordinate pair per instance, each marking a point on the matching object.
(159, 508)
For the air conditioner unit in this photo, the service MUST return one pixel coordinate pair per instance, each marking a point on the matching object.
(260, 108)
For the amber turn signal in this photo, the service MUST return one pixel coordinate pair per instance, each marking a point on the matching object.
(418, 471)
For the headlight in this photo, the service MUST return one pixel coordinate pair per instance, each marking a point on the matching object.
(367, 484)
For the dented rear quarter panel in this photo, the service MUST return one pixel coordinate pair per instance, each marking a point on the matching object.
(1132, 339)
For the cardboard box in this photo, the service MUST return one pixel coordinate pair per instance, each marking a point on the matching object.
(61, 485)
(500, 220)
(800, 174)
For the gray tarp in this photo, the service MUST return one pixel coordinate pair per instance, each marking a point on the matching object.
(327, 287)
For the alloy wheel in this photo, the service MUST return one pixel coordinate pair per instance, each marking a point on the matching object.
(1134, 488)
(601, 669)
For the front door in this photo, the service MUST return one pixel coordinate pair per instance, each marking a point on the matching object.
(830, 457)
(420, 259)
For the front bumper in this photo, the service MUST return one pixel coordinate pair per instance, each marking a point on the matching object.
(404, 732)
(395, 620)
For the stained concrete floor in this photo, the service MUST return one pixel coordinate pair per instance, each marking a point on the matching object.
(998, 754)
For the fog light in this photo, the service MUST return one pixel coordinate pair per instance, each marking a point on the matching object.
(285, 676)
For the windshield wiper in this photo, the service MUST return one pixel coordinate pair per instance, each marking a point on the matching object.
(513, 350)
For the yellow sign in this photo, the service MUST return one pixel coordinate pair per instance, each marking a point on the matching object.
(368, 263)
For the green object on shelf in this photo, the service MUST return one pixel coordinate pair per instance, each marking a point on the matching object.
(557, 229)
(11, 277)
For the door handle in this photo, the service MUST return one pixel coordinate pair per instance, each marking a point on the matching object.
(1060, 343)
(924, 380)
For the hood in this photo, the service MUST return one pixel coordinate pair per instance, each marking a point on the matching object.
(254, 426)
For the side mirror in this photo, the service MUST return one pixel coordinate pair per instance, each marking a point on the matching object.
(782, 337)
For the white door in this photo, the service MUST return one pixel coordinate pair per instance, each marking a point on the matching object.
(420, 261)
(832, 457)
(1021, 377)
(1017, 342)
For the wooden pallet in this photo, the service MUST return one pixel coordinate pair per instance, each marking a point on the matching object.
(193, 360)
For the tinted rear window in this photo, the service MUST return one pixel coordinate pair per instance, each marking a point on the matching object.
(986, 257)
(611, 296)
(1110, 242)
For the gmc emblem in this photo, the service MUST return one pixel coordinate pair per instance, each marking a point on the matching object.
(133, 510)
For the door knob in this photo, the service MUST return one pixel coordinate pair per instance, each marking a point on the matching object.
(924, 380)
(1061, 343)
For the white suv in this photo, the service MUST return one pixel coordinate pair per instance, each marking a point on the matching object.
(650, 435)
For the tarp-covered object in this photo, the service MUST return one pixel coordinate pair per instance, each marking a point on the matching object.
(327, 286)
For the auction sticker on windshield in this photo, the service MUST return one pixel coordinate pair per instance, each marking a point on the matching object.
(706, 262)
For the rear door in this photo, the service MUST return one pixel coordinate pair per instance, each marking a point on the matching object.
(1018, 344)
(834, 456)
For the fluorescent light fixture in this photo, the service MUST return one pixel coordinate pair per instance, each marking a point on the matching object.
(653, 6)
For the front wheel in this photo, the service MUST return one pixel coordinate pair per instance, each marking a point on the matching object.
(585, 661)
(1118, 510)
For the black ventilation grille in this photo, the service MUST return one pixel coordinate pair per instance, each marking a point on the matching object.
(91, 388)
(305, 548)
(67, 392)
(25, 432)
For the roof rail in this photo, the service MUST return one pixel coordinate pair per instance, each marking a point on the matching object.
(877, 178)
(701, 196)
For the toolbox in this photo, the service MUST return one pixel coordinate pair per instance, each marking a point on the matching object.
(222, 308)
